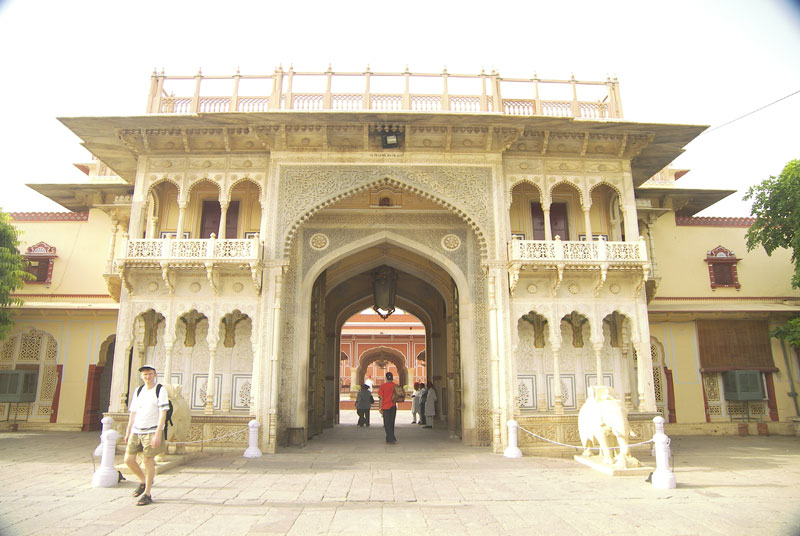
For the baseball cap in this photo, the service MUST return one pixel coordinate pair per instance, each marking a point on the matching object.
(151, 367)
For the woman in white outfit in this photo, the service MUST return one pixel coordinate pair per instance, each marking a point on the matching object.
(430, 406)
(415, 409)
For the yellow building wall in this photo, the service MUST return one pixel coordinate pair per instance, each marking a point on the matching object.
(81, 249)
(79, 335)
(765, 294)
(679, 340)
(680, 253)
(75, 309)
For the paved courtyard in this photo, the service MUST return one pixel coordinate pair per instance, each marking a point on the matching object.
(350, 481)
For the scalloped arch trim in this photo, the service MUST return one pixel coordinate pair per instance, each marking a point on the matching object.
(387, 181)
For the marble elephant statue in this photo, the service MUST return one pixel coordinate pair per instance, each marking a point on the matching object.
(178, 431)
(603, 421)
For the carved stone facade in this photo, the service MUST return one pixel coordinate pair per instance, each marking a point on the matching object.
(251, 240)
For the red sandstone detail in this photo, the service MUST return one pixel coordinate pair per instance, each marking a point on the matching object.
(49, 216)
(714, 221)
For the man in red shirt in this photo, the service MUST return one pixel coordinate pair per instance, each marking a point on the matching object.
(388, 407)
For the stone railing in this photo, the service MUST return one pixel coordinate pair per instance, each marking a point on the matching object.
(560, 255)
(195, 249)
(208, 254)
(356, 91)
(551, 251)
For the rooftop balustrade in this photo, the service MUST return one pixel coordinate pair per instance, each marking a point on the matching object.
(384, 92)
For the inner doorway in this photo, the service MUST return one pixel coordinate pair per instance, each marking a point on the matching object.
(372, 346)
(351, 344)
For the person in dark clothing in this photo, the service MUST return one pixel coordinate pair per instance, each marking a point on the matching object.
(364, 403)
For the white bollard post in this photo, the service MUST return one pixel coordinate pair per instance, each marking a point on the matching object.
(107, 422)
(663, 477)
(252, 450)
(106, 476)
(512, 451)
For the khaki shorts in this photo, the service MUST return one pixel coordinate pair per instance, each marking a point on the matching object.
(141, 443)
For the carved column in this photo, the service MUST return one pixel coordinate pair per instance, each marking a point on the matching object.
(641, 341)
(495, 364)
(255, 380)
(650, 224)
(120, 369)
(588, 222)
(558, 401)
(548, 230)
(151, 228)
(223, 218)
(213, 341)
(272, 432)
(168, 346)
(113, 245)
(181, 218)
(598, 354)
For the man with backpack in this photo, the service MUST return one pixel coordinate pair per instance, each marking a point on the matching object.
(146, 431)
(389, 394)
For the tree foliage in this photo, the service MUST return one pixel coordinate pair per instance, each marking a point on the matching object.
(12, 272)
(776, 207)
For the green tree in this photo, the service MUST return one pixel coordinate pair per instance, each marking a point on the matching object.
(12, 273)
(776, 207)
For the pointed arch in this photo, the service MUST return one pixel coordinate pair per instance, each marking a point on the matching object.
(563, 181)
(481, 234)
(525, 180)
(246, 178)
(383, 352)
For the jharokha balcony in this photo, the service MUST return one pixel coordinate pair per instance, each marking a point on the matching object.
(170, 255)
(560, 255)
(384, 92)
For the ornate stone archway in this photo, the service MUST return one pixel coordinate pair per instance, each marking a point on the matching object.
(387, 354)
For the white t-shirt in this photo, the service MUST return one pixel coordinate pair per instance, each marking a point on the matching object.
(147, 408)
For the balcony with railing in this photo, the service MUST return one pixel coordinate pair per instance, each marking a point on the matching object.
(210, 255)
(384, 92)
(559, 256)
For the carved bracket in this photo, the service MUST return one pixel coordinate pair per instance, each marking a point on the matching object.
(256, 270)
(513, 276)
(211, 276)
(642, 280)
(559, 278)
(123, 274)
(165, 275)
(601, 279)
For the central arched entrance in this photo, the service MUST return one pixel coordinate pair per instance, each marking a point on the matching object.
(423, 289)
(441, 280)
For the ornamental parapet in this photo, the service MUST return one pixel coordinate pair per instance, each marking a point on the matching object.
(561, 255)
(209, 254)
(367, 90)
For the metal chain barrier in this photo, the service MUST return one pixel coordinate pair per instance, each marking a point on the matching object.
(579, 448)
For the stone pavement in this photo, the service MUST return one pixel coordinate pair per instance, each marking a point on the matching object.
(350, 481)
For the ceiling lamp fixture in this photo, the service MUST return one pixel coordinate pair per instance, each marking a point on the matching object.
(384, 286)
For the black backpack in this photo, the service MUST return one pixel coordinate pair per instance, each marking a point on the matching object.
(169, 411)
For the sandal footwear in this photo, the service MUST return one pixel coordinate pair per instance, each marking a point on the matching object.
(144, 501)
(139, 490)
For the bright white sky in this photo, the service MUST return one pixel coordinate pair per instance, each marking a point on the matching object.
(682, 61)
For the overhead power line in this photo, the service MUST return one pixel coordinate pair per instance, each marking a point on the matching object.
(754, 111)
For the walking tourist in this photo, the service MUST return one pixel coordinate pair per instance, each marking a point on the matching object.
(145, 431)
(388, 407)
(364, 403)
